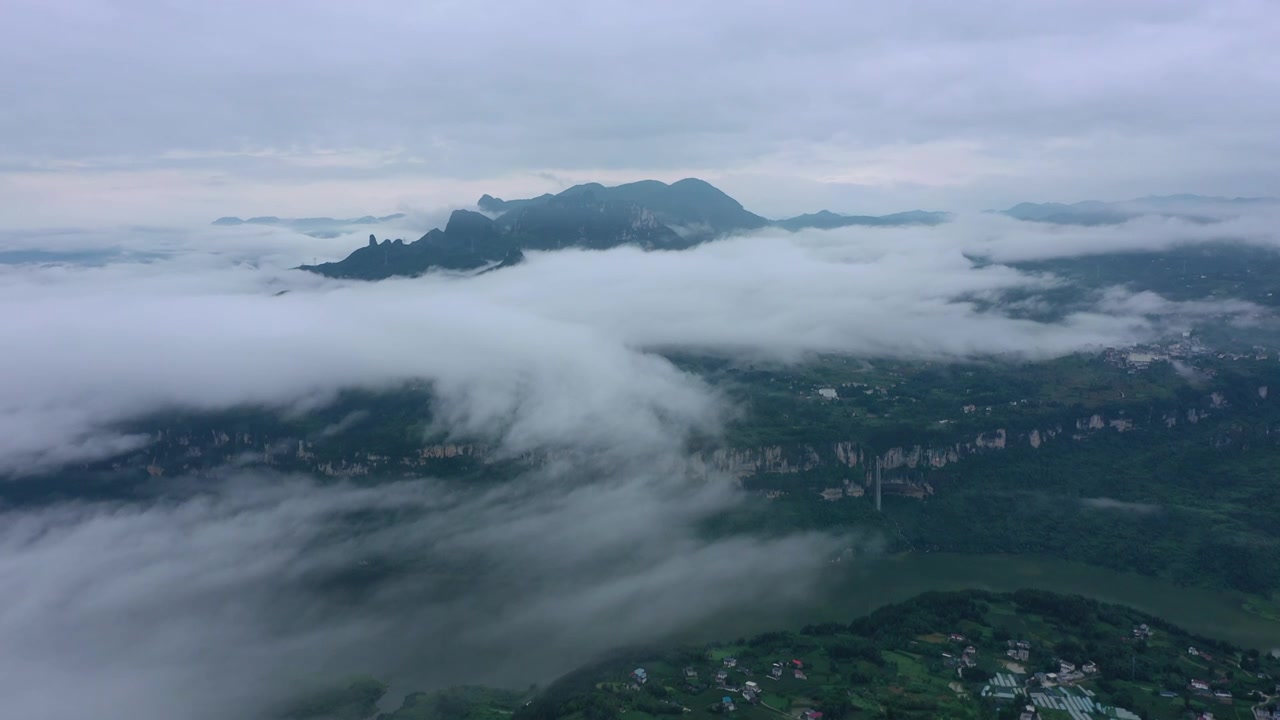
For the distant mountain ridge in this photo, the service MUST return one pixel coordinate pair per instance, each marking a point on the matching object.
(826, 220)
(654, 215)
(319, 227)
(1193, 208)
(648, 214)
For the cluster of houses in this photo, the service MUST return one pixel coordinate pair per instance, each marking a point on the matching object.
(779, 668)
(1068, 674)
(751, 691)
(1201, 687)
(1141, 632)
(1262, 713)
(1019, 650)
(966, 658)
(1193, 652)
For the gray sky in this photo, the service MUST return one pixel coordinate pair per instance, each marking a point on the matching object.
(145, 111)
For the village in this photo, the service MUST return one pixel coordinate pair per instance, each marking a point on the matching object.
(732, 678)
(1012, 673)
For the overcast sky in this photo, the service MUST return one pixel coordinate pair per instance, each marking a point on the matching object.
(145, 111)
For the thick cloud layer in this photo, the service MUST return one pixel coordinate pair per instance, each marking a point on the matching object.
(120, 111)
(226, 603)
(548, 353)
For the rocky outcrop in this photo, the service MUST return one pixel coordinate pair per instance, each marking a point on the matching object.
(918, 456)
(745, 462)
(994, 440)
(441, 452)
(1093, 422)
(848, 453)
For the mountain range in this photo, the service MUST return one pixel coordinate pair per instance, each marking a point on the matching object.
(317, 227)
(1193, 208)
(655, 215)
(649, 214)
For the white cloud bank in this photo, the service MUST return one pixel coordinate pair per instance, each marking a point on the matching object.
(554, 349)
(227, 603)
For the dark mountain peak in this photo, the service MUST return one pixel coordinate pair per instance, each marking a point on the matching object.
(228, 221)
(468, 221)
(699, 209)
(434, 235)
(649, 214)
(583, 188)
(491, 204)
(585, 197)
(694, 188)
(372, 240)
(1028, 206)
(697, 183)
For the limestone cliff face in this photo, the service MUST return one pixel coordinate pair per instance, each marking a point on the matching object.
(918, 456)
(1093, 422)
(994, 440)
(745, 462)
(439, 452)
(848, 453)
(174, 452)
(748, 462)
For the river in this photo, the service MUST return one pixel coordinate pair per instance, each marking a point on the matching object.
(864, 585)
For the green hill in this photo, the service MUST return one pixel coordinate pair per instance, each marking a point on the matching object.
(968, 654)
